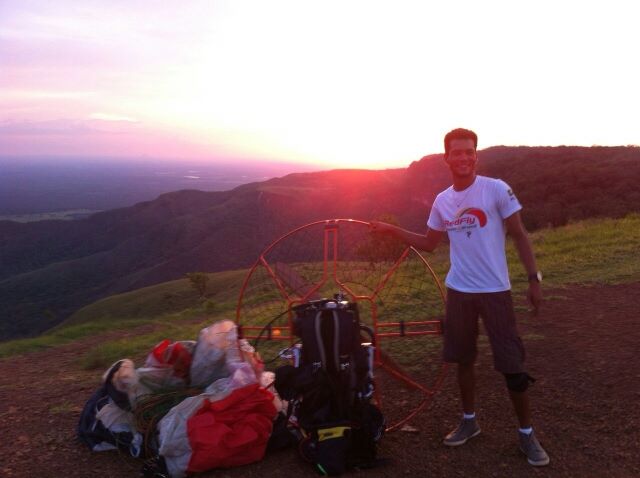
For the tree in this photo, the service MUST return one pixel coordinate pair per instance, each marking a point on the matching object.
(380, 247)
(198, 281)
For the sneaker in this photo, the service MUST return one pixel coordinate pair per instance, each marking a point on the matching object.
(530, 446)
(468, 428)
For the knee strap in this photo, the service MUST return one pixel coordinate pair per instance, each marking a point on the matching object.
(518, 382)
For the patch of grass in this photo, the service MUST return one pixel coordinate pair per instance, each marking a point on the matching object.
(70, 334)
(66, 335)
(601, 251)
(136, 347)
(167, 302)
(159, 299)
(533, 337)
(64, 407)
(19, 346)
(483, 341)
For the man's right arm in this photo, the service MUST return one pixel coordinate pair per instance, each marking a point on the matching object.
(426, 242)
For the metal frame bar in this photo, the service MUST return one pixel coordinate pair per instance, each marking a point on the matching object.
(330, 244)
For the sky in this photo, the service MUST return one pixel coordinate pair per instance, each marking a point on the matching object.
(347, 83)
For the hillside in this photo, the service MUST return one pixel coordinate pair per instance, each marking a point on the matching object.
(591, 252)
(49, 269)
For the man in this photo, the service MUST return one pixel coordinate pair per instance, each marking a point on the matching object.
(475, 212)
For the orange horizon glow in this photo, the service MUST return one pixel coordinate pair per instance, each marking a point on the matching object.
(339, 85)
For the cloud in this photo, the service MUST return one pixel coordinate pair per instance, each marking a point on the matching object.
(61, 127)
(21, 94)
(112, 117)
(97, 137)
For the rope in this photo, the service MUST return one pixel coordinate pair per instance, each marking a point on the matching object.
(150, 409)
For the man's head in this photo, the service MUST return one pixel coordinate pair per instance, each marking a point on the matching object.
(460, 154)
(458, 133)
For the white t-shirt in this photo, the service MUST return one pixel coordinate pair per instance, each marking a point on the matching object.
(474, 220)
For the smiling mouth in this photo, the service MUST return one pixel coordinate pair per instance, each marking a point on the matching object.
(463, 168)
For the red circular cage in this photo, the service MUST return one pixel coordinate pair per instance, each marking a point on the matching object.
(398, 295)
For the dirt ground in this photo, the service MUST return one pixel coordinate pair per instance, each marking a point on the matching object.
(583, 350)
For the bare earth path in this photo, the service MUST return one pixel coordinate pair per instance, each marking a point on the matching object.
(584, 349)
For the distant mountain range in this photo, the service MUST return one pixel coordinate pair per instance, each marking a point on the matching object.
(49, 269)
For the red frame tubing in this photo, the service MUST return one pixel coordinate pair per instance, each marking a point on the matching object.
(332, 229)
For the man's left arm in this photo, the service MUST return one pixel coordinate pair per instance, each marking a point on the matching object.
(516, 230)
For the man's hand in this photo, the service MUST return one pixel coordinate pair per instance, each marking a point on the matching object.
(534, 294)
(426, 242)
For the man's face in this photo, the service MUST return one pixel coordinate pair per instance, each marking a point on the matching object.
(462, 158)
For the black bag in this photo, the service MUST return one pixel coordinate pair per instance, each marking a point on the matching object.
(329, 389)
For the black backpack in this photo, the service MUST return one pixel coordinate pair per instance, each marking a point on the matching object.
(329, 387)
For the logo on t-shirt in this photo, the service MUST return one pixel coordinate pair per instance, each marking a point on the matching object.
(469, 218)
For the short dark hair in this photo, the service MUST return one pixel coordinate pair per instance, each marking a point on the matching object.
(459, 133)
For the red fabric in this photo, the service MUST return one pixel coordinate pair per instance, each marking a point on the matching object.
(233, 431)
(174, 354)
(159, 349)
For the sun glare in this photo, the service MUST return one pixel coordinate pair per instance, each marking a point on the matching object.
(336, 84)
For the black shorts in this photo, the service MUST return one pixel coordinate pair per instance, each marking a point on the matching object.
(498, 317)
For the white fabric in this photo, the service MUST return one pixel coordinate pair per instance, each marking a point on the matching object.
(158, 376)
(127, 380)
(104, 446)
(208, 363)
(474, 221)
(172, 429)
(157, 379)
(267, 381)
(117, 420)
